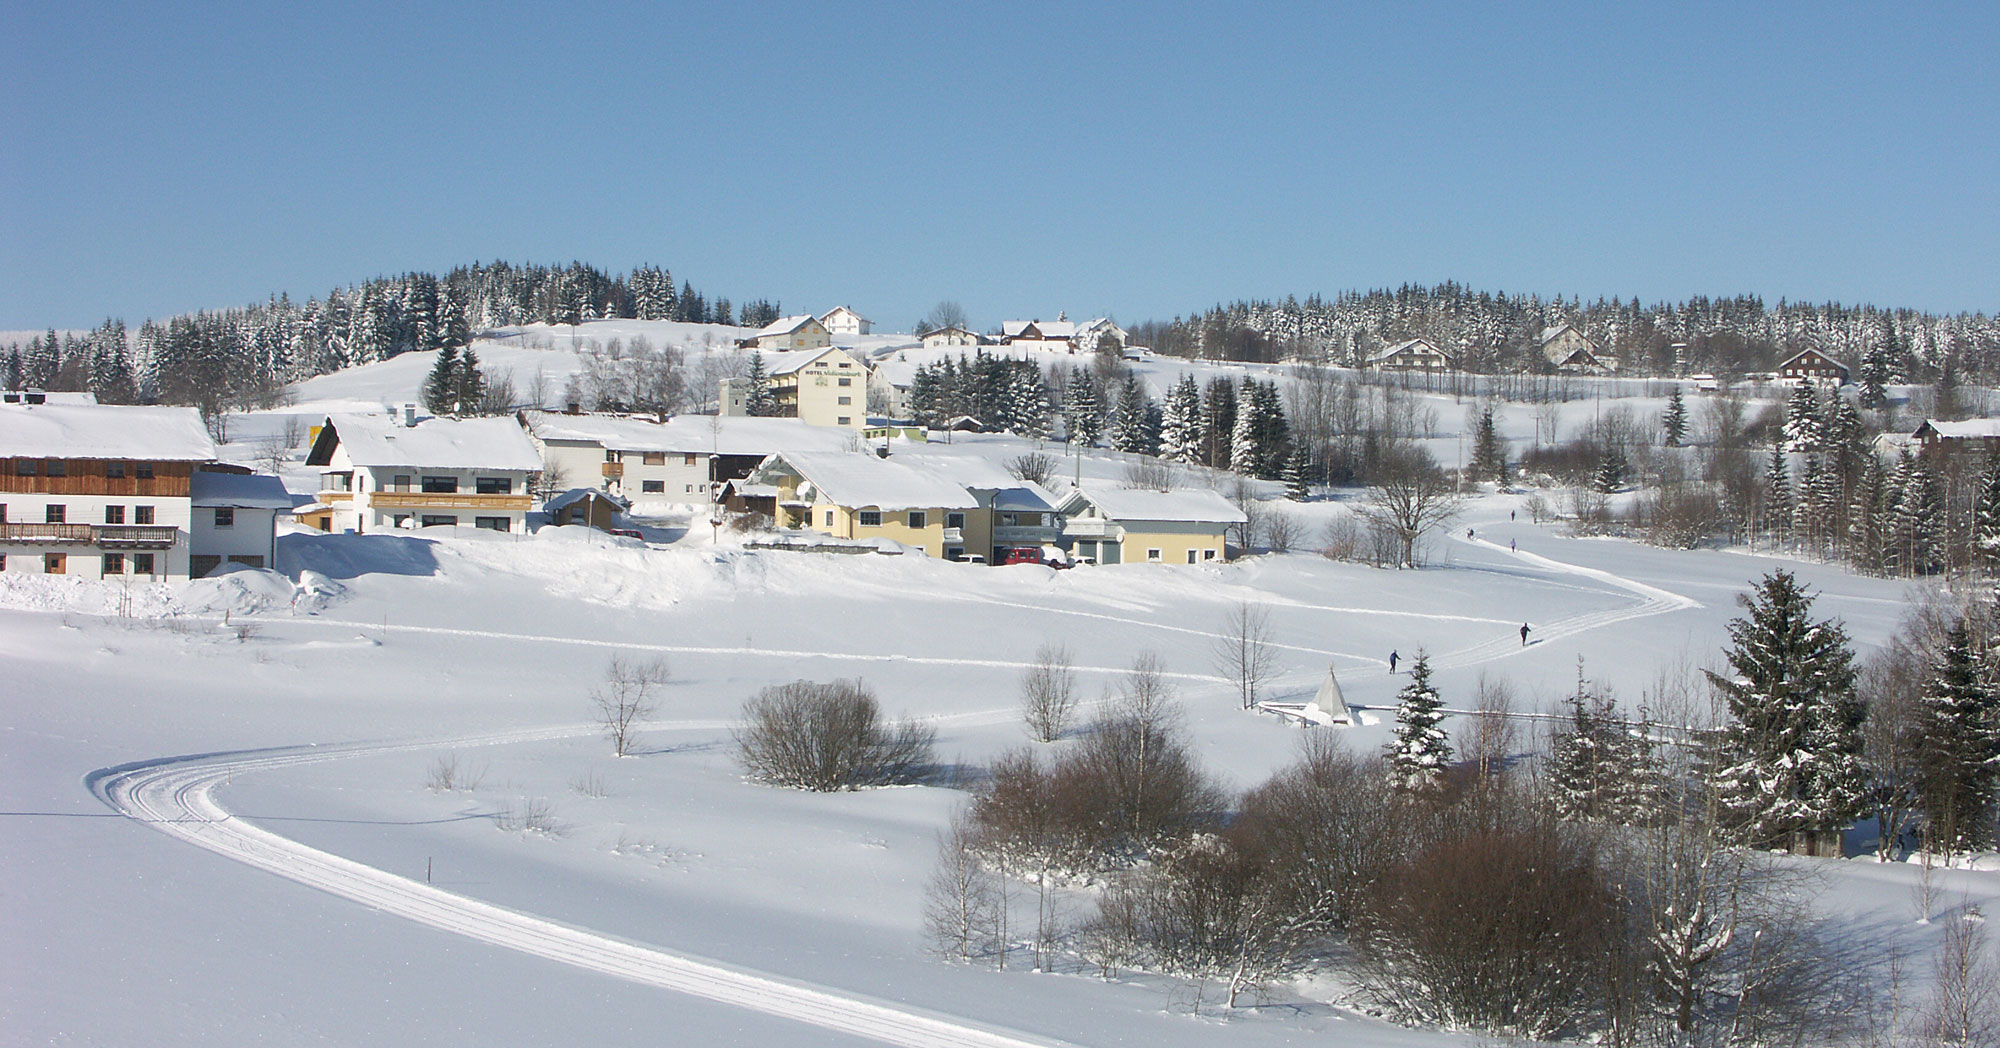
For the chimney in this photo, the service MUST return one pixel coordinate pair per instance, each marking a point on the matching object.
(409, 414)
(574, 407)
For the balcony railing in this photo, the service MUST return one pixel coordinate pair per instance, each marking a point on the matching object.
(136, 536)
(45, 532)
(450, 500)
(954, 534)
(614, 469)
(108, 536)
(1092, 528)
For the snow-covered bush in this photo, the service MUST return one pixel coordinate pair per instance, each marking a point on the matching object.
(829, 736)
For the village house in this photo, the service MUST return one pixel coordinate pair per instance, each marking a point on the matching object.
(1416, 354)
(786, 334)
(378, 472)
(1054, 336)
(99, 492)
(1974, 436)
(1117, 525)
(234, 518)
(1091, 332)
(589, 507)
(1811, 365)
(823, 387)
(860, 496)
(687, 458)
(1567, 349)
(1024, 520)
(951, 338)
(841, 320)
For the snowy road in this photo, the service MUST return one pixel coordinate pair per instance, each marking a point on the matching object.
(174, 796)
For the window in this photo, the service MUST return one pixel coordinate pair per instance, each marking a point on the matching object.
(142, 563)
(494, 485)
(954, 520)
(24, 467)
(870, 518)
(613, 456)
(114, 514)
(492, 523)
(114, 563)
(55, 513)
(1006, 520)
(53, 563)
(1153, 555)
(142, 514)
(3, 562)
(401, 482)
(440, 520)
(441, 486)
(225, 517)
(653, 487)
(336, 482)
(143, 470)
(690, 460)
(400, 520)
(844, 420)
(829, 518)
(1208, 554)
(846, 381)
(1190, 556)
(954, 553)
(114, 469)
(917, 518)
(58, 468)
(248, 560)
(846, 401)
(201, 564)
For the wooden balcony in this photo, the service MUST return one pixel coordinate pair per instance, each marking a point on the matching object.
(136, 536)
(614, 470)
(46, 533)
(452, 500)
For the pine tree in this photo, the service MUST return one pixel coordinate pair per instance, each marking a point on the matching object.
(1419, 751)
(469, 394)
(1180, 422)
(1864, 517)
(1599, 769)
(440, 392)
(1986, 521)
(1218, 422)
(1916, 528)
(757, 397)
(1958, 748)
(1788, 764)
(1877, 370)
(1802, 419)
(1610, 475)
(1298, 476)
(1675, 421)
(1777, 495)
(1083, 419)
(1244, 454)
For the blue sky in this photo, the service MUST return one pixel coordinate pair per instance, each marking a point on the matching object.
(1140, 160)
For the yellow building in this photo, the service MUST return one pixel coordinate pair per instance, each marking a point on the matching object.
(1122, 526)
(857, 495)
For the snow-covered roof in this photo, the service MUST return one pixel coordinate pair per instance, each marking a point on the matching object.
(785, 325)
(849, 310)
(693, 434)
(93, 431)
(440, 443)
(858, 480)
(1195, 505)
(1026, 496)
(1553, 330)
(1399, 348)
(239, 490)
(1050, 329)
(1971, 428)
(60, 396)
(575, 495)
(784, 362)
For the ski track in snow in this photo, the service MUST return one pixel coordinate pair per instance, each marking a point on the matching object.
(174, 796)
(1652, 601)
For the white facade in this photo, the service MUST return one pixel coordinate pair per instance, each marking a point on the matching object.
(803, 332)
(950, 338)
(377, 475)
(842, 320)
(234, 520)
(150, 542)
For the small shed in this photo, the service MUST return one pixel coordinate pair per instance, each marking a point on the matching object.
(587, 506)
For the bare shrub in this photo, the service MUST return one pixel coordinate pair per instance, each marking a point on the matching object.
(1282, 531)
(532, 815)
(960, 899)
(749, 522)
(589, 784)
(1048, 693)
(450, 773)
(829, 736)
(1151, 474)
(629, 693)
(1243, 651)
(1035, 467)
(1964, 1007)
(1342, 539)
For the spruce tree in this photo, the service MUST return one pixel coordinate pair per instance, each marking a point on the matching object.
(1598, 769)
(1788, 765)
(1986, 521)
(1489, 459)
(757, 397)
(1675, 421)
(469, 385)
(1877, 369)
(1218, 422)
(1610, 475)
(1958, 748)
(1777, 495)
(1082, 417)
(1419, 751)
(1244, 455)
(441, 387)
(1802, 419)
(1298, 476)
(1180, 422)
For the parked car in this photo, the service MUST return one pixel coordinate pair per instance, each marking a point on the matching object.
(630, 533)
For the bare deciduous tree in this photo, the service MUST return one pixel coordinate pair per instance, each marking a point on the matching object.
(1964, 1008)
(1411, 498)
(1048, 693)
(1243, 650)
(1034, 467)
(960, 899)
(629, 693)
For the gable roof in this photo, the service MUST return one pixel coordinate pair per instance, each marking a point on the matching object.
(786, 325)
(239, 490)
(860, 481)
(1969, 429)
(1810, 353)
(849, 310)
(1051, 330)
(1404, 346)
(95, 431)
(375, 441)
(692, 434)
(1194, 505)
(786, 361)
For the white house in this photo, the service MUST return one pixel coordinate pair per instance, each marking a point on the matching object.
(843, 320)
(1048, 335)
(685, 459)
(1416, 354)
(827, 386)
(98, 491)
(378, 473)
(953, 337)
(1568, 349)
(1090, 332)
(802, 332)
(235, 518)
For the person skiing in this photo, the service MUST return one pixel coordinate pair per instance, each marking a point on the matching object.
(1524, 634)
(1392, 661)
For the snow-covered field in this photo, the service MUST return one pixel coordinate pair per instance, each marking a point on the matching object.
(218, 830)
